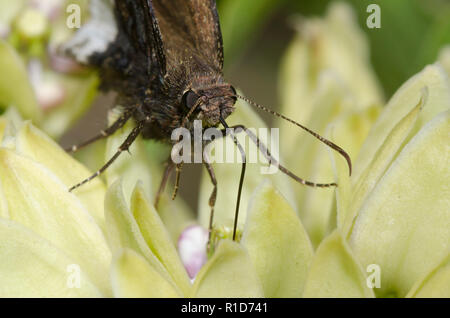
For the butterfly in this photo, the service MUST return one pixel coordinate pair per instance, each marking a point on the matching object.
(164, 59)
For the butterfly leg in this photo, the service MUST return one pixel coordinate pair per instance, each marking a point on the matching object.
(212, 201)
(179, 168)
(119, 123)
(167, 172)
(123, 147)
(241, 179)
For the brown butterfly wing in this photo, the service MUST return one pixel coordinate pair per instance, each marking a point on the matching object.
(190, 32)
(159, 38)
(137, 20)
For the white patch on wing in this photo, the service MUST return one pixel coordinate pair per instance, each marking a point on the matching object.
(96, 35)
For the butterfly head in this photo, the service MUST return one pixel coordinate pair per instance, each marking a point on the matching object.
(210, 102)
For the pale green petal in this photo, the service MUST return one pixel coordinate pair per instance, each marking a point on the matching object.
(3, 123)
(4, 212)
(347, 128)
(157, 238)
(13, 118)
(277, 244)
(444, 58)
(92, 157)
(382, 159)
(333, 45)
(404, 100)
(229, 273)
(15, 89)
(176, 215)
(132, 276)
(79, 95)
(348, 131)
(346, 51)
(343, 191)
(34, 144)
(131, 167)
(329, 99)
(297, 81)
(324, 210)
(13, 122)
(123, 230)
(33, 267)
(3, 205)
(32, 25)
(335, 272)
(9, 9)
(436, 284)
(38, 200)
(404, 224)
(309, 159)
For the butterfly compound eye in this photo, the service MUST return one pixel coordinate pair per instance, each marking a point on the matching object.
(189, 99)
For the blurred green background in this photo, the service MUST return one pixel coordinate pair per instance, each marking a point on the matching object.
(257, 32)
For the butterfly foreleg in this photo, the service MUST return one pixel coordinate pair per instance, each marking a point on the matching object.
(212, 201)
(119, 123)
(167, 172)
(179, 169)
(123, 147)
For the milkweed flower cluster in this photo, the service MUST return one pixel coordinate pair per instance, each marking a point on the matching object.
(383, 232)
(37, 78)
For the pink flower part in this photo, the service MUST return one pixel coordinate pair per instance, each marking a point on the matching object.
(192, 249)
(50, 8)
(63, 64)
(49, 93)
(4, 30)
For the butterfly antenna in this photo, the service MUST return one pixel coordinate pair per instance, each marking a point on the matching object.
(323, 140)
(241, 181)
